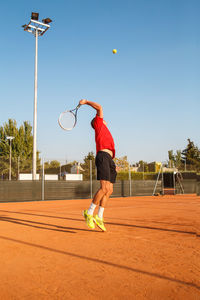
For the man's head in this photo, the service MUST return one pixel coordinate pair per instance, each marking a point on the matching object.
(92, 123)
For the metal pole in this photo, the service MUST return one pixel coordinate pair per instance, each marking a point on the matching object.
(10, 161)
(91, 179)
(43, 178)
(154, 190)
(162, 182)
(35, 107)
(143, 170)
(174, 182)
(129, 180)
(18, 168)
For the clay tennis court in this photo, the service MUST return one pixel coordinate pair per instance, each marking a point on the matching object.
(150, 250)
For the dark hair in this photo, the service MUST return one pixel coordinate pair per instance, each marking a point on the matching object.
(92, 123)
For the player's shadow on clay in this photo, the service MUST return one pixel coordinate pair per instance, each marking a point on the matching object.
(41, 215)
(109, 223)
(152, 228)
(46, 226)
(104, 262)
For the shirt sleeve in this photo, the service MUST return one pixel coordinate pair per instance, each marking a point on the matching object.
(98, 122)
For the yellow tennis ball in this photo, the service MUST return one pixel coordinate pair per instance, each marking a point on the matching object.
(114, 51)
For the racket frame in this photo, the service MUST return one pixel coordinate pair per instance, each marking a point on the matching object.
(74, 112)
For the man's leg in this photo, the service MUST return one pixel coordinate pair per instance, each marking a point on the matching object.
(88, 214)
(109, 190)
(103, 192)
(105, 169)
(105, 198)
(99, 217)
(100, 196)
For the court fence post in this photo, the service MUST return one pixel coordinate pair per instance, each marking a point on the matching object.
(130, 187)
(43, 179)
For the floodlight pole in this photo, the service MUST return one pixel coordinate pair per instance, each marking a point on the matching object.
(35, 109)
(37, 29)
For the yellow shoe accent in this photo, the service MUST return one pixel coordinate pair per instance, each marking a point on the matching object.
(100, 223)
(88, 219)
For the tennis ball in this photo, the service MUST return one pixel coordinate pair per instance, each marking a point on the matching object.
(114, 51)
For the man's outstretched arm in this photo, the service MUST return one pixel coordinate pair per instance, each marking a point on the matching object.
(95, 105)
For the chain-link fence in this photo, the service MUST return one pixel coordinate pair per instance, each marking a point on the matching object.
(58, 179)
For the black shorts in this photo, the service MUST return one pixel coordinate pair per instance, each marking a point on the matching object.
(106, 169)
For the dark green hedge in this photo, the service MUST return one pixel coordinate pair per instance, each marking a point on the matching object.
(189, 175)
(124, 175)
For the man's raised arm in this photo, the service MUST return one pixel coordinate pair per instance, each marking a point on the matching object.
(95, 105)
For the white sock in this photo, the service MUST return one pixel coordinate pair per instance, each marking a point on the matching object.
(100, 212)
(91, 209)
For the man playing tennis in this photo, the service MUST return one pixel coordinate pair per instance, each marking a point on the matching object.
(106, 169)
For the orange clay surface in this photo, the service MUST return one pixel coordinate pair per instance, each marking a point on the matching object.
(150, 250)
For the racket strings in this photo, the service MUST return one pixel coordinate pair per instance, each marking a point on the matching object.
(67, 120)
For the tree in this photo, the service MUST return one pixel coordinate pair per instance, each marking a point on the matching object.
(174, 159)
(21, 147)
(143, 166)
(52, 167)
(178, 159)
(52, 164)
(188, 159)
(191, 156)
(86, 166)
(171, 158)
(122, 163)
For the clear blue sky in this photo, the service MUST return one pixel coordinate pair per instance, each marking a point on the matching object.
(149, 90)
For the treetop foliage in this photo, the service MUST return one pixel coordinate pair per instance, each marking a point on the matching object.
(21, 147)
(187, 159)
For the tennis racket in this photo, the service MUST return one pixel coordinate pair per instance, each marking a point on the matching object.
(67, 119)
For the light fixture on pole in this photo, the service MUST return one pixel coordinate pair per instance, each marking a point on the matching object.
(37, 29)
(10, 138)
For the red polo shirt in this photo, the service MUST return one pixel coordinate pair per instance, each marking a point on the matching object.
(103, 137)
